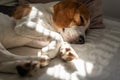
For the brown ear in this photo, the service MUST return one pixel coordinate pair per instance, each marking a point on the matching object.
(21, 11)
(62, 4)
(84, 14)
(64, 13)
(58, 16)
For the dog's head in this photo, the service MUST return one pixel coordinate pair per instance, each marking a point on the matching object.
(72, 17)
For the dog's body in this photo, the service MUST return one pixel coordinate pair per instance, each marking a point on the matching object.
(8, 37)
(31, 23)
(8, 29)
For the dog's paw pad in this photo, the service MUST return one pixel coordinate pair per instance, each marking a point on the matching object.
(67, 53)
(67, 56)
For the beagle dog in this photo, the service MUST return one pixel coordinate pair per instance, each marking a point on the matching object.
(55, 21)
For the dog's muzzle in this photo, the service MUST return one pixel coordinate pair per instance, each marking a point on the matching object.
(79, 40)
(75, 36)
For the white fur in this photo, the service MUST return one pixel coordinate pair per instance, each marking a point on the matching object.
(30, 28)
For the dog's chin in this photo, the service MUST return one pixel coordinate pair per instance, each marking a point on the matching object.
(72, 36)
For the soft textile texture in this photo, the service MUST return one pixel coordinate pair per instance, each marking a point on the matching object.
(8, 6)
(8, 10)
(96, 13)
(33, 1)
(95, 7)
(8, 2)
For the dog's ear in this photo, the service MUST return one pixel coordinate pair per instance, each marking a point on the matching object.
(83, 14)
(64, 12)
(21, 11)
(58, 15)
(70, 13)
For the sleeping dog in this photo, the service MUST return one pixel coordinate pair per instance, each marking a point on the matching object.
(56, 22)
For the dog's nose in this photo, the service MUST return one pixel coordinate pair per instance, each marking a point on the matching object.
(81, 39)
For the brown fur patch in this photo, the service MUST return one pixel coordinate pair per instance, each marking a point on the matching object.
(21, 11)
(70, 13)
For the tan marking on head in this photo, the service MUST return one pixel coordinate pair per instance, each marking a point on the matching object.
(70, 13)
(21, 11)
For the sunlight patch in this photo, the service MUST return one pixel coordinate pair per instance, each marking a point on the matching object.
(80, 66)
(89, 67)
(83, 67)
(58, 71)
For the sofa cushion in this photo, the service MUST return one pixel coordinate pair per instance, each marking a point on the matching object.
(33, 1)
(96, 13)
(8, 2)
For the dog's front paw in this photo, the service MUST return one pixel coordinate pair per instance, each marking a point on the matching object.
(67, 53)
(27, 69)
(44, 61)
(31, 68)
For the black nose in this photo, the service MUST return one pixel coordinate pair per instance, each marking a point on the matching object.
(81, 39)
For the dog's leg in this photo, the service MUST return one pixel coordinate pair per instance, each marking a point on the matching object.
(53, 48)
(58, 45)
(7, 56)
(25, 65)
(35, 30)
(31, 68)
